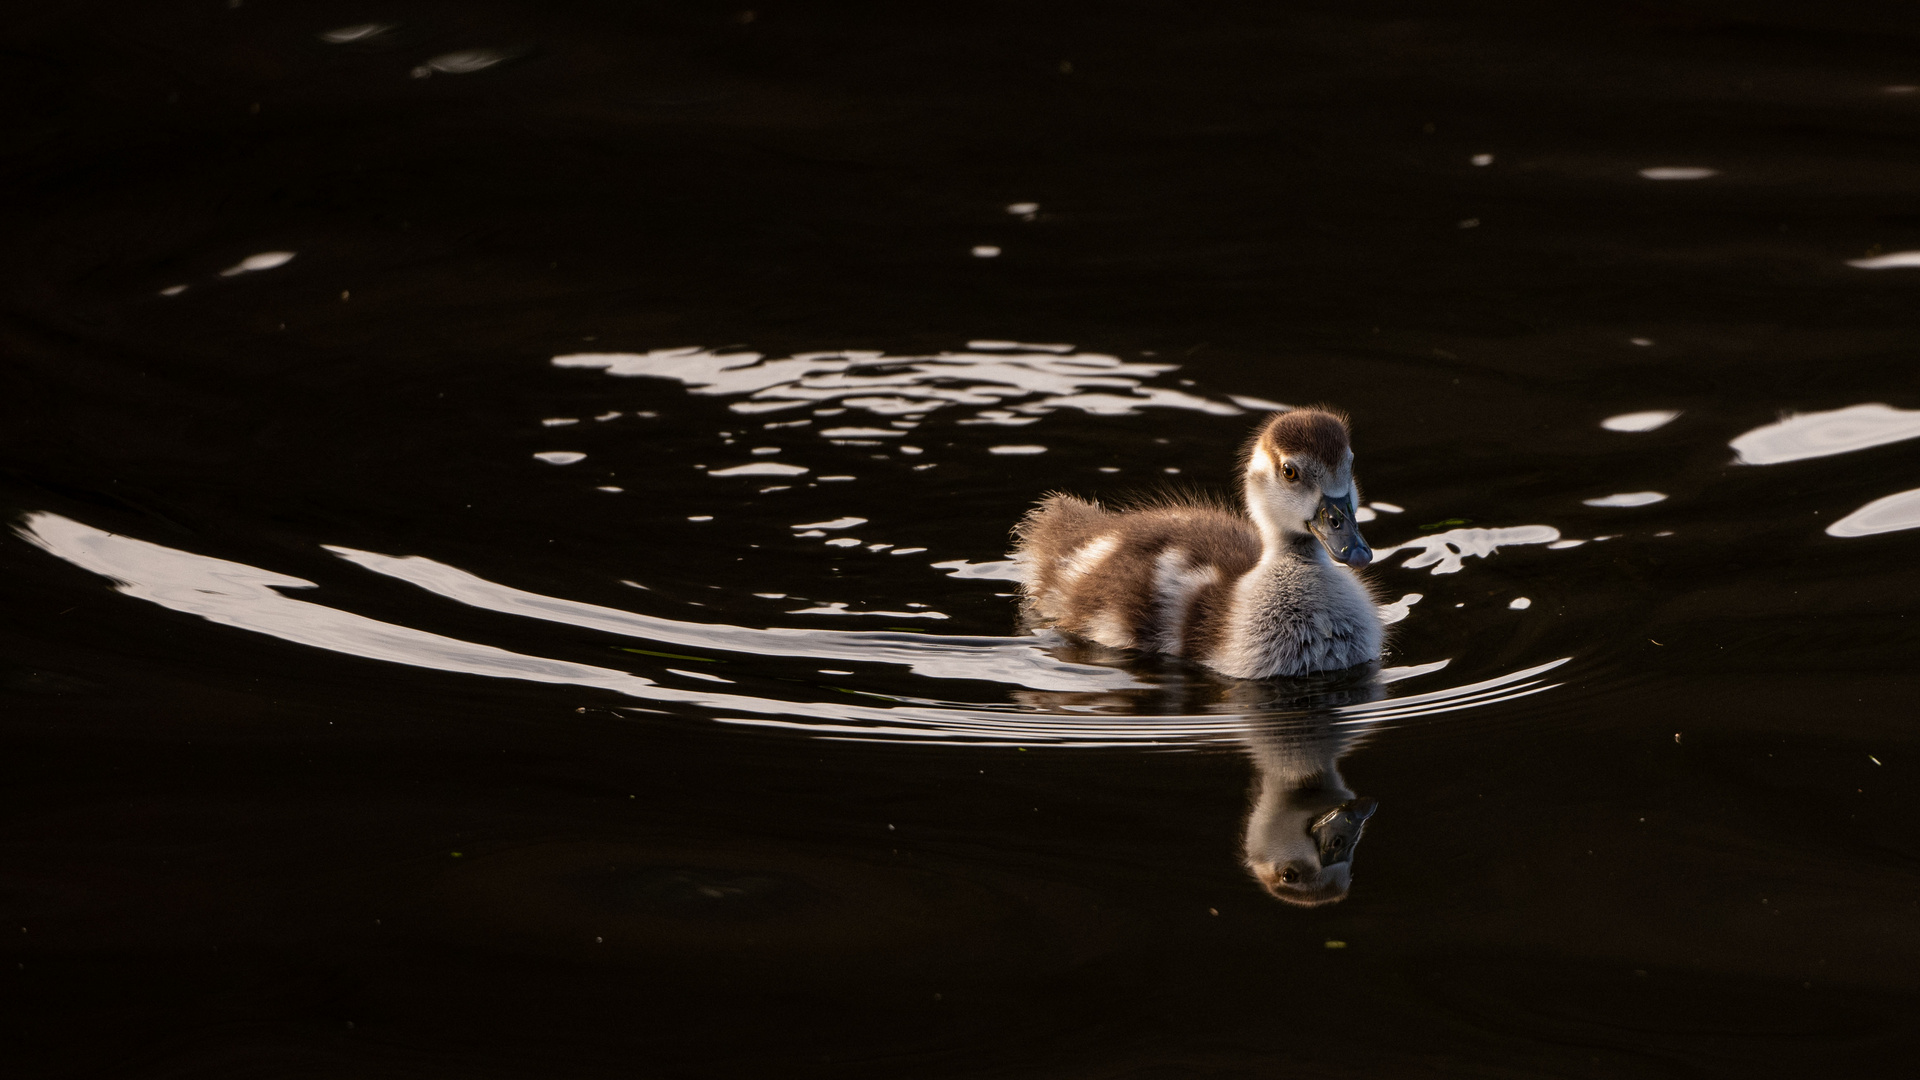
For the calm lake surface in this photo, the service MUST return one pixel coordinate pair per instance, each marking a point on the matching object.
(507, 509)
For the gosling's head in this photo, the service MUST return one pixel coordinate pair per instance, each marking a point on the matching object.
(1299, 479)
(1301, 848)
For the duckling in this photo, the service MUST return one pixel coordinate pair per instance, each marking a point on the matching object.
(1268, 591)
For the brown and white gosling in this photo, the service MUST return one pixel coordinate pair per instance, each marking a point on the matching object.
(1267, 592)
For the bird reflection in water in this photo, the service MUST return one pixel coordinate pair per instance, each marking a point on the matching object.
(1303, 822)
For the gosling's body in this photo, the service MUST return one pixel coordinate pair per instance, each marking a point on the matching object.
(1252, 595)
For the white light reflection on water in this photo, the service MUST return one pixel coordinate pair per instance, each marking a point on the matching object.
(993, 382)
(761, 468)
(1893, 260)
(1007, 660)
(1651, 420)
(464, 62)
(1446, 551)
(346, 35)
(1890, 514)
(1627, 498)
(838, 607)
(266, 260)
(245, 597)
(1798, 437)
(1400, 609)
(1678, 172)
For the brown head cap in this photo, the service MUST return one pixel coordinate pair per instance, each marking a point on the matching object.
(1316, 433)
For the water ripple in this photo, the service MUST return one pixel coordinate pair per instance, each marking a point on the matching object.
(1004, 383)
(1063, 703)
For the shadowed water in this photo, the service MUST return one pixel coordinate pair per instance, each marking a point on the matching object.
(507, 574)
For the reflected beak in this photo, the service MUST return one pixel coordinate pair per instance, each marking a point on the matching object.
(1338, 532)
(1338, 831)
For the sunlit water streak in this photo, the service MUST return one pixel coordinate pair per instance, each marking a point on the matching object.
(1801, 436)
(1890, 514)
(1650, 420)
(1000, 383)
(1089, 703)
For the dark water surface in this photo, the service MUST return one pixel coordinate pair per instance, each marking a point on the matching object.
(553, 624)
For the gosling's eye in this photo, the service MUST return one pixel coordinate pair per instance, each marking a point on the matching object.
(1287, 470)
(1338, 843)
(1290, 875)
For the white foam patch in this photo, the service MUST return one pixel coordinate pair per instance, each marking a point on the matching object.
(1446, 551)
(1651, 420)
(1890, 514)
(1798, 437)
(1627, 498)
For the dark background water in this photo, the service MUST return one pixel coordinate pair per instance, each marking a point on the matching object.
(226, 854)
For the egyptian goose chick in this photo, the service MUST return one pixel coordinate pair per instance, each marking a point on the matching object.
(1268, 592)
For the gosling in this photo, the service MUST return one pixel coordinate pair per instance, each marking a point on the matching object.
(1268, 592)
